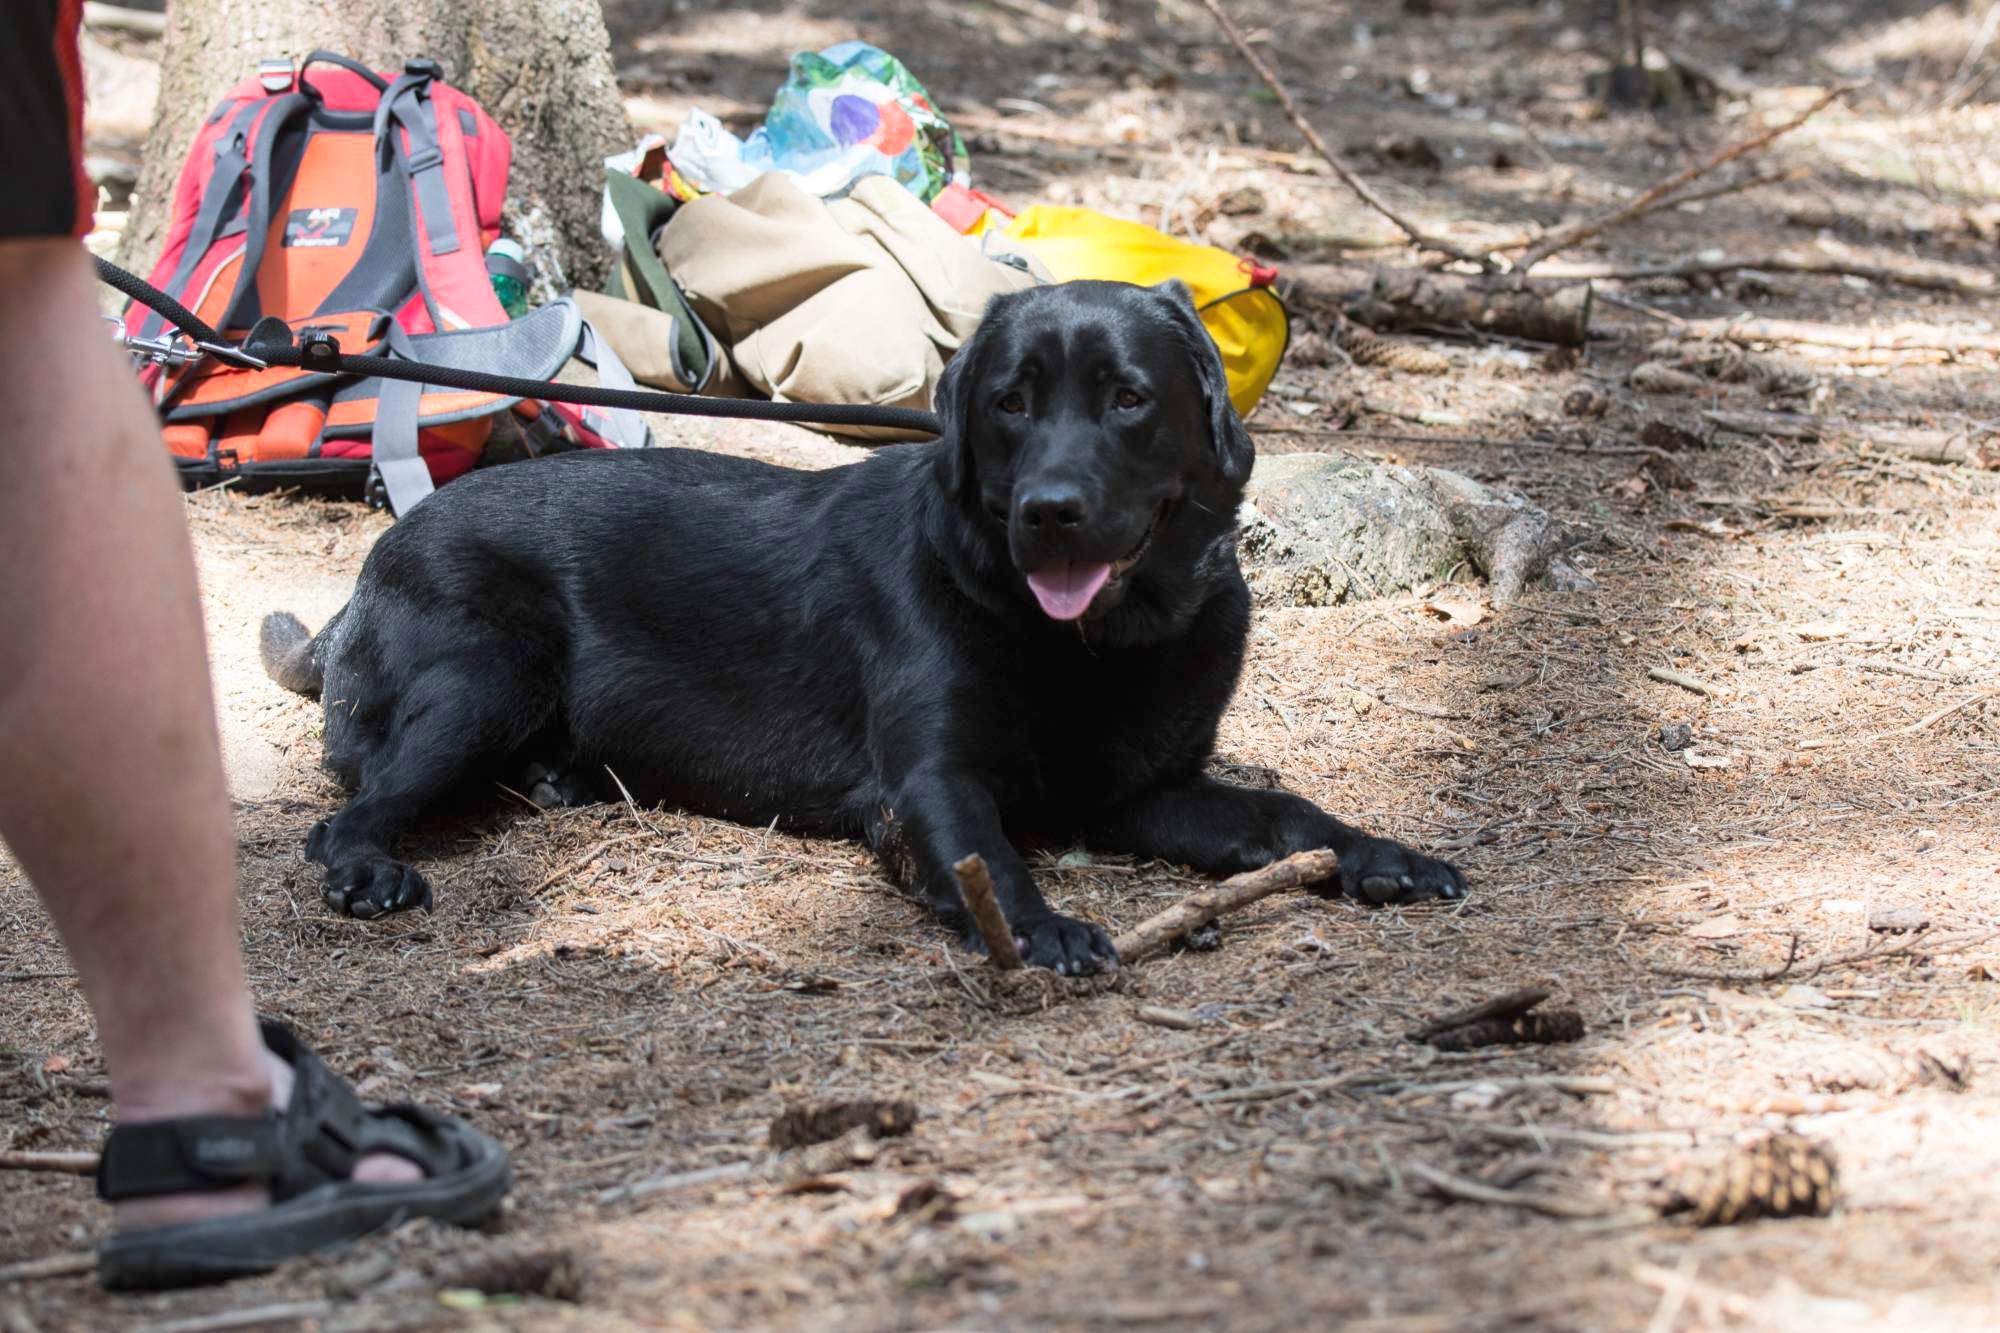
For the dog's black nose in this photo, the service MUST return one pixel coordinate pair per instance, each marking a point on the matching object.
(1053, 508)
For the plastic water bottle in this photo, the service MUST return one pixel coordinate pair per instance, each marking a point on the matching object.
(507, 266)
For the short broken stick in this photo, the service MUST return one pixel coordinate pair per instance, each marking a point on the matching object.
(66, 1163)
(54, 1265)
(1156, 932)
(1471, 1191)
(1510, 1005)
(975, 886)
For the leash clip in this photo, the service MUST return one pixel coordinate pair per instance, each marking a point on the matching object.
(171, 350)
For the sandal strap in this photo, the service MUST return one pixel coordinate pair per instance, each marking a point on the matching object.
(195, 1153)
(315, 1140)
(326, 1129)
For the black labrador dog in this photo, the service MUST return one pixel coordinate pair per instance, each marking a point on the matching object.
(1029, 627)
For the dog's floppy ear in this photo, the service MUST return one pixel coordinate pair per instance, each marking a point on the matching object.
(952, 402)
(1227, 439)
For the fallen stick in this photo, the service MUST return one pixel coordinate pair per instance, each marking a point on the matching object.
(1390, 300)
(284, 1312)
(1818, 965)
(857, 1147)
(65, 1163)
(118, 18)
(1579, 1138)
(1658, 195)
(1156, 932)
(1361, 189)
(1961, 448)
(1577, 1085)
(54, 1265)
(1898, 338)
(1701, 268)
(1471, 1191)
(1669, 676)
(975, 886)
(1501, 1006)
(1923, 722)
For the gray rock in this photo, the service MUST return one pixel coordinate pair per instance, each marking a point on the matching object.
(1318, 529)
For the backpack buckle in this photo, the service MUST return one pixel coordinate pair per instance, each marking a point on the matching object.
(276, 74)
(424, 67)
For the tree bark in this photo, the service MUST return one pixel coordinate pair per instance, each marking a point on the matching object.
(541, 68)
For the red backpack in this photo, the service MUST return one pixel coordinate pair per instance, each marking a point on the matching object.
(360, 205)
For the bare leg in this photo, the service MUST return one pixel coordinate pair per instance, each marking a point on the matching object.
(118, 811)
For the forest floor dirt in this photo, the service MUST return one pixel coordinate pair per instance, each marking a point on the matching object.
(628, 998)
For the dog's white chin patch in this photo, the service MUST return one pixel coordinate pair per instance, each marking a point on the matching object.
(1066, 588)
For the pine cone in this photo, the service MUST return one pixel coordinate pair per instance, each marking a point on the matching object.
(1372, 349)
(1784, 1176)
(1540, 1028)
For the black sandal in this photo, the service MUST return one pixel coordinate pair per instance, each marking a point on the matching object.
(304, 1154)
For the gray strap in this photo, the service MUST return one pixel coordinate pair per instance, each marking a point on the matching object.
(232, 159)
(423, 162)
(626, 428)
(404, 473)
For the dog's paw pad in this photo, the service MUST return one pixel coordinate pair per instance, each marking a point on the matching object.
(368, 889)
(1382, 872)
(1066, 946)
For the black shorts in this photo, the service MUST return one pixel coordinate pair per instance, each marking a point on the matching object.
(41, 121)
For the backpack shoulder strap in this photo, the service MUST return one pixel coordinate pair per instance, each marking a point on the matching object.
(232, 163)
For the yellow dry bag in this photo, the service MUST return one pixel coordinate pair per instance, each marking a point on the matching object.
(1241, 312)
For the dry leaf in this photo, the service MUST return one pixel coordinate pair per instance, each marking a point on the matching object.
(1696, 758)
(1717, 927)
(1455, 610)
(478, 1091)
(1818, 631)
(55, 1064)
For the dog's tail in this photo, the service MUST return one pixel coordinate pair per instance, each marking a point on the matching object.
(289, 659)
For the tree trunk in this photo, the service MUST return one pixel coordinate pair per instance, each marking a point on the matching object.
(541, 68)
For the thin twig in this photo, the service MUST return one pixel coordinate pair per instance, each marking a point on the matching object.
(1939, 716)
(1698, 268)
(1819, 965)
(582, 863)
(1669, 676)
(1896, 338)
(1473, 1192)
(1152, 935)
(1361, 188)
(54, 1265)
(1581, 1138)
(284, 1312)
(975, 886)
(1658, 196)
(64, 1163)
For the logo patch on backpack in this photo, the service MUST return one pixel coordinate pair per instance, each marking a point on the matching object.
(319, 228)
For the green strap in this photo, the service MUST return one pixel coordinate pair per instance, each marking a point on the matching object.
(641, 210)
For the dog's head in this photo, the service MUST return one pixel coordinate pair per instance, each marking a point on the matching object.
(1087, 428)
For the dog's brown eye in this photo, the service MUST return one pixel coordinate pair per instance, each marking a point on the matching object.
(1013, 404)
(1128, 399)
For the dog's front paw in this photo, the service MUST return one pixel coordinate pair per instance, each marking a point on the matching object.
(1379, 871)
(1065, 945)
(375, 887)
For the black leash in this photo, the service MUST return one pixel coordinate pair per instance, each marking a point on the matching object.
(321, 352)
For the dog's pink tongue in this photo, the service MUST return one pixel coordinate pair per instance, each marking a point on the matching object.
(1066, 587)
